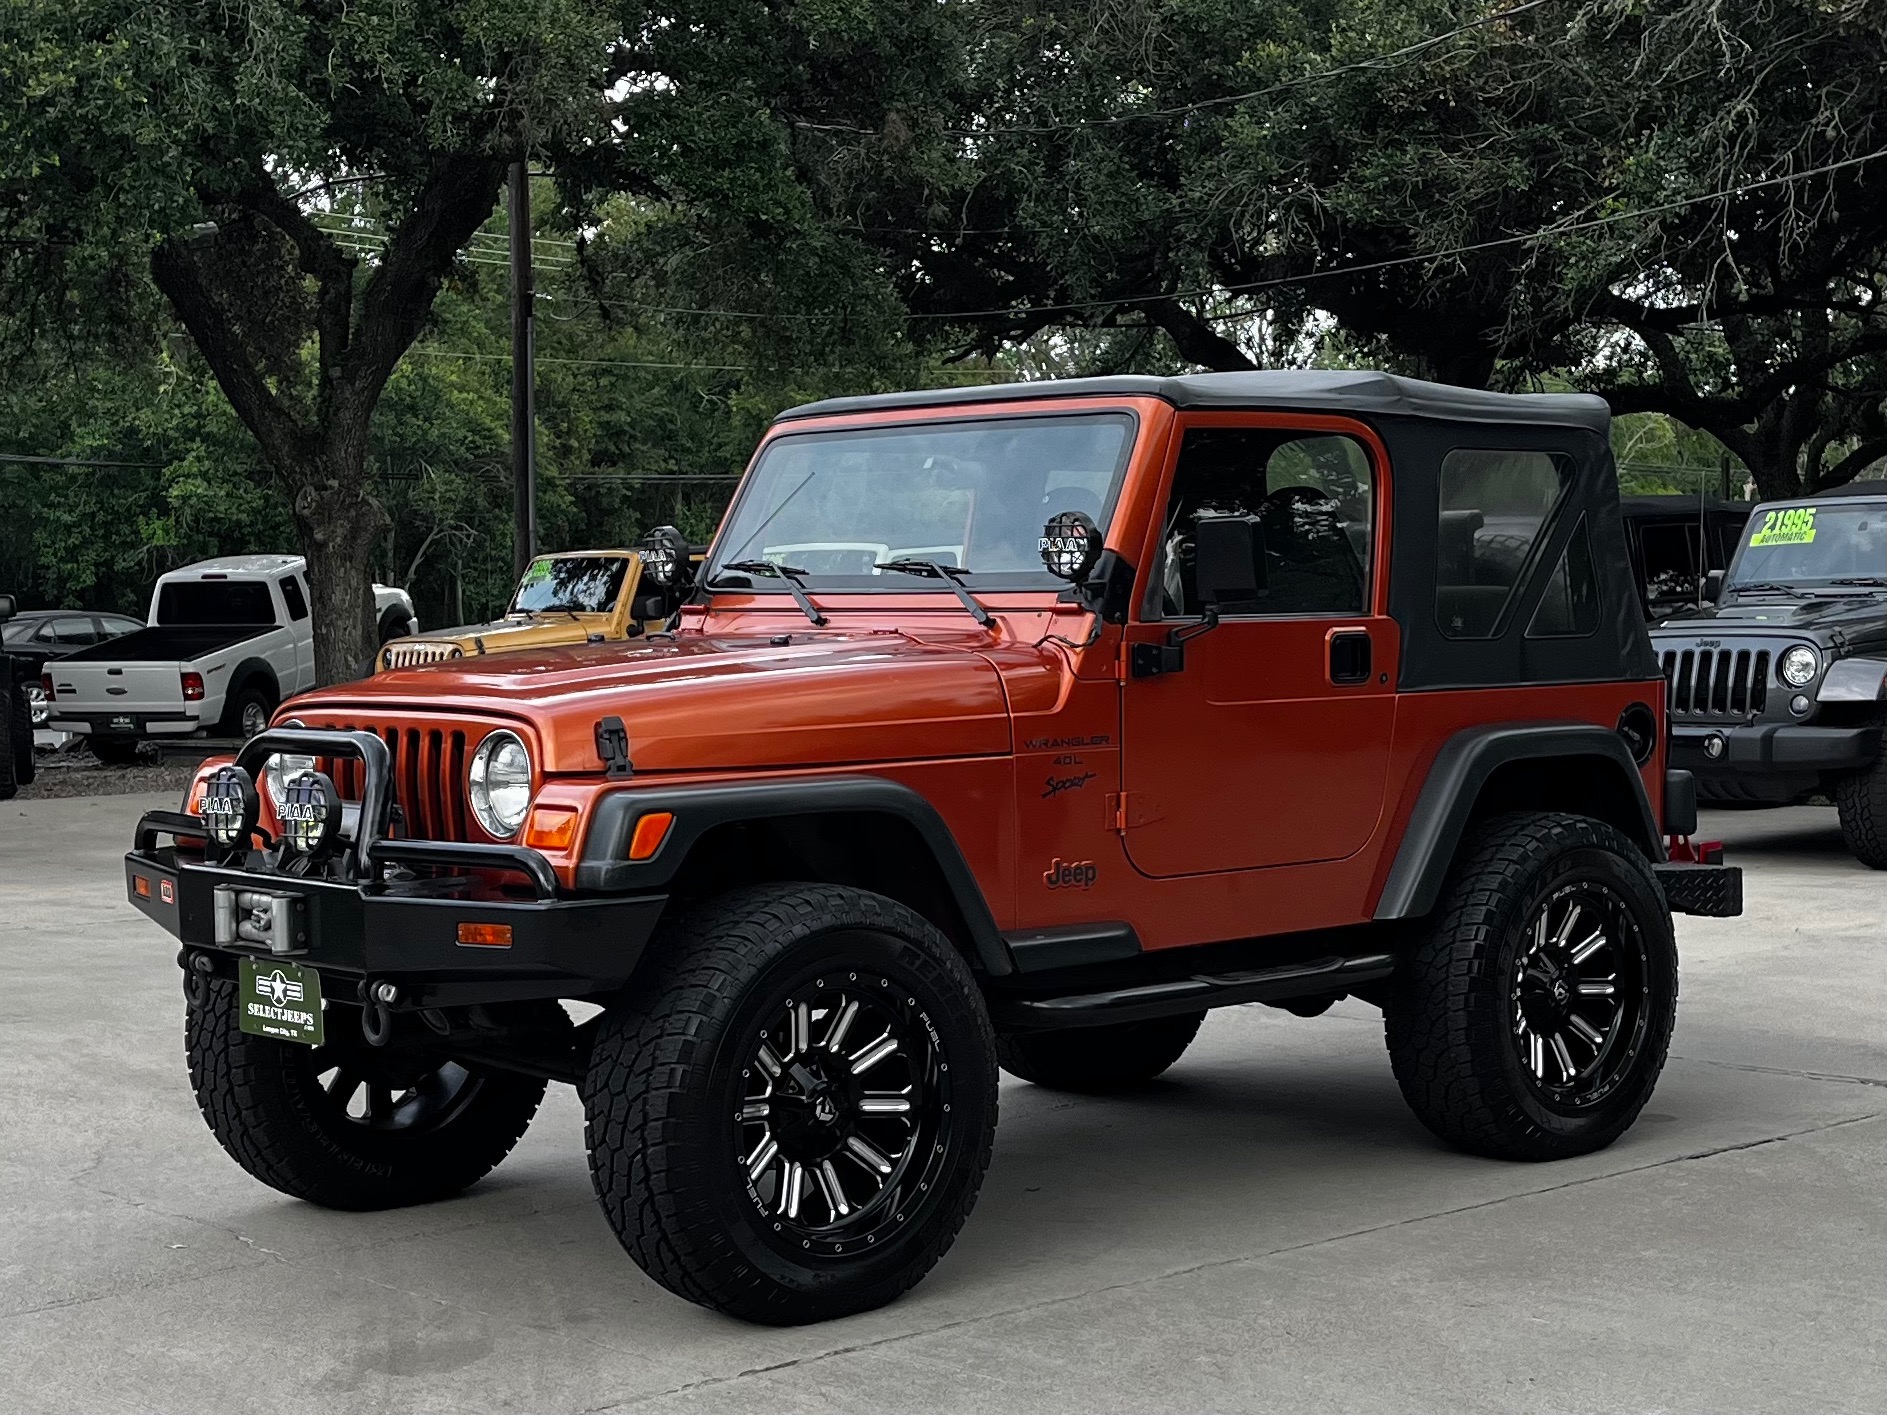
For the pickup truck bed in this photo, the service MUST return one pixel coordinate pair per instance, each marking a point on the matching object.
(167, 643)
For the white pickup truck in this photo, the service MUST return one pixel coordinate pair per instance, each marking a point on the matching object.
(228, 639)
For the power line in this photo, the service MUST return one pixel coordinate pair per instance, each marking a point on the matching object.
(985, 374)
(78, 462)
(1376, 61)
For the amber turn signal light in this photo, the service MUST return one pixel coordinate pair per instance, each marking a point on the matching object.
(649, 834)
(142, 886)
(485, 935)
(551, 828)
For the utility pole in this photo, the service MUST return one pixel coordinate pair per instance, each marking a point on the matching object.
(523, 374)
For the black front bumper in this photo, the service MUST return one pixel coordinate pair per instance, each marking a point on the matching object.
(362, 935)
(375, 920)
(1781, 748)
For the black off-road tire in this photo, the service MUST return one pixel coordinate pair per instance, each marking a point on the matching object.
(9, 784)
(675, 1062)
(1451, 1016)
(1861, 803)
(25, 769)
(114, 751)
(1096, 1060)
(265, 1104)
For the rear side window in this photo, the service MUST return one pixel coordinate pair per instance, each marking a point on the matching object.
(1493, 505)
(215, 602)
(292, 596)
(1570, 606)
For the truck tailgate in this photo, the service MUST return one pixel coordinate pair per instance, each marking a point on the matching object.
(115, 687)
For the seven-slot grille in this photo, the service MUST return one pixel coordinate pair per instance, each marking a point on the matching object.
(397, 655)
(427, 765)
(1722, 683)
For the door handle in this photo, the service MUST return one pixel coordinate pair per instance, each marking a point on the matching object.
(1350, 658)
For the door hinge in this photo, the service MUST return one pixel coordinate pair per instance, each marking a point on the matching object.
(1127, 809)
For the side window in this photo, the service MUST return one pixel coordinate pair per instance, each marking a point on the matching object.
(1310, 497)
(1570, 606)
(73, 633)
(114, 627)
(292, 596)
(1493, 504)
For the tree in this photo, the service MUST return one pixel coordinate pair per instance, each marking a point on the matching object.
(208, 149)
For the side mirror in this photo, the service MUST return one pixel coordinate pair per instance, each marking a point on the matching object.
(7, 608)
(1713, 586)
(1071, 546)
(1228, 560)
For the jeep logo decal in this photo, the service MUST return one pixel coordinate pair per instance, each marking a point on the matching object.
(1070, 874)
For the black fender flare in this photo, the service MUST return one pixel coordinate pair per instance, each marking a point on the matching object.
(1454, 783)
(605, 868)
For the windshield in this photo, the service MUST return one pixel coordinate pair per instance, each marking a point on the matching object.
(1812, 545)
(575, 584)
(19, 631)
(215, 602)
(971, 495)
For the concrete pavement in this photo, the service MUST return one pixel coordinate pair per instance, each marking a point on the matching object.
(1266, 1229)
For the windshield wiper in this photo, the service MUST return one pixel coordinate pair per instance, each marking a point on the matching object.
(934, 570)
(794, 579)
(1769, 587)
(1871, 581)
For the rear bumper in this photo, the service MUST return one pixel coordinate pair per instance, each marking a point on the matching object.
(1780, 748)
(124, 724)
(359, 936)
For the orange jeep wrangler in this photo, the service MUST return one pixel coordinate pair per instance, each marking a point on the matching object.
(1010, 728)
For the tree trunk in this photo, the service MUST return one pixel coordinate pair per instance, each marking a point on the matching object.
(339, 525)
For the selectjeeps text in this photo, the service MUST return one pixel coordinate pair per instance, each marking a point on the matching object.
(1009, 728)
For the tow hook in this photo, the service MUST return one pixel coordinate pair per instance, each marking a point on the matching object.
(376, 1013)
(196, 979)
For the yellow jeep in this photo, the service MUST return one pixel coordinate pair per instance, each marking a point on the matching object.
(575, 597)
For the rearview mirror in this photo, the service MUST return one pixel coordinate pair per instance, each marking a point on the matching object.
(1228, 560)
(7, 608)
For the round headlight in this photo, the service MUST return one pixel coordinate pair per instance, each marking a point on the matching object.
(278, 771)
(310, 809)
(229, 807)
(500, 784)
(1799, 666)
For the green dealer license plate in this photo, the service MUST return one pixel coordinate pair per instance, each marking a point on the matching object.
(280, 1000)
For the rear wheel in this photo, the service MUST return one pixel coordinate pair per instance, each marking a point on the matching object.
(24, 767)
(1532, 1021)
(9, 786)
(1861, 802)
(350, 1126)
(789, 1119)
(247, 713)
(114, 751)
(1099, 1059)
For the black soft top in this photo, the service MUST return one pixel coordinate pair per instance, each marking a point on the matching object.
(1352, 391)
(1854, 489)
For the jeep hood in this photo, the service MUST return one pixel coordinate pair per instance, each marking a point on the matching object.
(1860, 617)
(710, 703)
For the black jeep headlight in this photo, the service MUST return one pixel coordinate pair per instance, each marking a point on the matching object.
(310, 809)
(1798, 666)
(229, 807)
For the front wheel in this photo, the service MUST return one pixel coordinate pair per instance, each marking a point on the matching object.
(1861, 803)
(25, 769)
(1532, 1020)
(351, 1126)
(789, 1118)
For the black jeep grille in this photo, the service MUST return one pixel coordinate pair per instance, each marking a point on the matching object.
(1717, 683)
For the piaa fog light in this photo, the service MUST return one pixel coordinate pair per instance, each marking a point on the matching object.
(229, 807)
(310, 809)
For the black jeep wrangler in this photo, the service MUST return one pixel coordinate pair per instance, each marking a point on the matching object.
(1778, 688)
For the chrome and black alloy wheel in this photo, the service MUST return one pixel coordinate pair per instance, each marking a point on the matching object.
(843, 1120)
(1578, 994)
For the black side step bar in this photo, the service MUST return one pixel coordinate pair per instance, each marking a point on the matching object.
(1203, 990)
